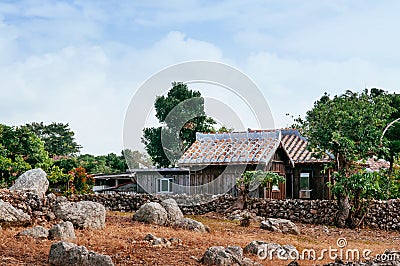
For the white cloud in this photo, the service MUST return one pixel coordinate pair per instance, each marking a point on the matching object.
(291, 86)
(80, 62)
(88, 88)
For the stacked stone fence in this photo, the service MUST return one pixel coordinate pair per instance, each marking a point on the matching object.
(296, 210)
(39, 209)
(189, 204)
(381, 214)
(384, 215)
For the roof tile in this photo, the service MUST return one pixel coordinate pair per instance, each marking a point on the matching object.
(247, 147)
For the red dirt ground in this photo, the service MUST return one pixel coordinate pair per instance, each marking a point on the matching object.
(122, 239)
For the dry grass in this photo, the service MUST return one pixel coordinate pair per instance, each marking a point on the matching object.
(122, 239)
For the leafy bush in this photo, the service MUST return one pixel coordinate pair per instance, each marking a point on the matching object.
(82, 182)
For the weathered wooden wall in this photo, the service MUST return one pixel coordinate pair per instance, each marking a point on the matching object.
(318, 181)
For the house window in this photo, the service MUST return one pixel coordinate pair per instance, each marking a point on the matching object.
(304, 181)
(305, 188)
(164, 185)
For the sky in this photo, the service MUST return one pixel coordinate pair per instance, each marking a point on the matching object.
(80, 62)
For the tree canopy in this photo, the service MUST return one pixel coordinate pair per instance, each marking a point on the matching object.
(20, 150)
(349, 127)
(136, 159)
(26, 147)
(106, 164)
(58, 138)
(181, 114)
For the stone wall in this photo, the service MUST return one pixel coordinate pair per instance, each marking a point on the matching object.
(382, 214)
(38, 209)
(304, 211)
(189, 204)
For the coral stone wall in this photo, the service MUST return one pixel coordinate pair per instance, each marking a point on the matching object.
(305, 211)
(381, 214)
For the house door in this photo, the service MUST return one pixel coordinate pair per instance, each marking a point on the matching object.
(289, 185)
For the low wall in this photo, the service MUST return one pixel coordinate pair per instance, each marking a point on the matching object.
(382, 214)
(304, 211)
(189, 204)
(38, 209)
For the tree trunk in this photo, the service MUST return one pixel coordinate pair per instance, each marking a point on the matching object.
(344, 212)
(241, 201)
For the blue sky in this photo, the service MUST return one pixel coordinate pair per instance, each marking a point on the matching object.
(81, 61)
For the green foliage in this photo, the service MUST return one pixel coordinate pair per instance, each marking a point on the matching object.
(365, 185)
(107, 164)
(181, 113)
(349, 125)
(362, 184)
(20, 150)
(135, 159)
(58, 176)
(225, 129)
(152, 140)
(67, 164)
(82, 182)
(257, 178)
(394, 178)
(392, 136)
(58, 138)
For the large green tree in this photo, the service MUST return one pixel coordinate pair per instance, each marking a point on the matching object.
(348, 126)
(181, 114)
(58, 138)
(106, 164)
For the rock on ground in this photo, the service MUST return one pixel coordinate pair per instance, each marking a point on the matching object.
(190, 224)
(173, 211)
(63, 231)
(280, 225)
(10, 216)
(230, 256)
(83, 214)
(150, 237)
(38, 232)
(34, 181)
(162, 242)
(152, 213)
(64, 253)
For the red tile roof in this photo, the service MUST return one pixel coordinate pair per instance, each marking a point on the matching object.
(296, 147)
(251, 147)
(375, 164)
(231, 148)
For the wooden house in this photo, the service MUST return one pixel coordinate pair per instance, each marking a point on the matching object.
(215, 161)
